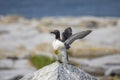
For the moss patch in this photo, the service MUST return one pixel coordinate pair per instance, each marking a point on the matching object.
(40, 61)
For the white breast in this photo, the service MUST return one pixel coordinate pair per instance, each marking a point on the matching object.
(62, 56)
(58, 44)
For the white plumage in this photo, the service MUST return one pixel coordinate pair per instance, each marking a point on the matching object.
(60, 51)
(57, 44)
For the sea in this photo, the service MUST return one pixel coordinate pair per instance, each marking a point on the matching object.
(44, 8)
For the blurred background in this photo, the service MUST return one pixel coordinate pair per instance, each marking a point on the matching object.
(26, 42)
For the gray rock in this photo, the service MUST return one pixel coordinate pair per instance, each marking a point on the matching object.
(17, 77)
(58, 71)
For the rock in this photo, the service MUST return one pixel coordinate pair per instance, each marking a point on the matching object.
(58, 71)
(17, 77)
(101, 66)
(113, 72)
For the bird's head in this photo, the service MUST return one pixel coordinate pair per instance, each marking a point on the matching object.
(56, 33)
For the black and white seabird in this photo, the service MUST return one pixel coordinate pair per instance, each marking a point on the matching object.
(60, 46)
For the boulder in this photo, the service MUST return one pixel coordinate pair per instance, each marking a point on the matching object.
(59, 71)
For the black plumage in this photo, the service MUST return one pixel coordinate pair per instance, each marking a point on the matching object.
(66, 34)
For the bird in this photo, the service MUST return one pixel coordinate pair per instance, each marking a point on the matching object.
(61, 45)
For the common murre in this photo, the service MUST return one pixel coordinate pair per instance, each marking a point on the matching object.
(60, 46)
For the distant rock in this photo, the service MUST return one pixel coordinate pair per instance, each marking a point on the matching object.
(101, 66)
(17, 77)
(58, 71)
(113, 72)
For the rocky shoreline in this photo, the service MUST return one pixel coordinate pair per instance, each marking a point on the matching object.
(22, 37)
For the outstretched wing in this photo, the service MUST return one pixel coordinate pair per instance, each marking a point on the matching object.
(66, 34)
(76, 36)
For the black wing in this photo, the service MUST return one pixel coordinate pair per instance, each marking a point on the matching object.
(66, 34)
(76, 36)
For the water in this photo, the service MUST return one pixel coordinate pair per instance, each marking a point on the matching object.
(41, 8)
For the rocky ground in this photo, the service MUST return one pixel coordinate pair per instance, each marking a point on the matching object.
(98, 53)
(10, 69)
